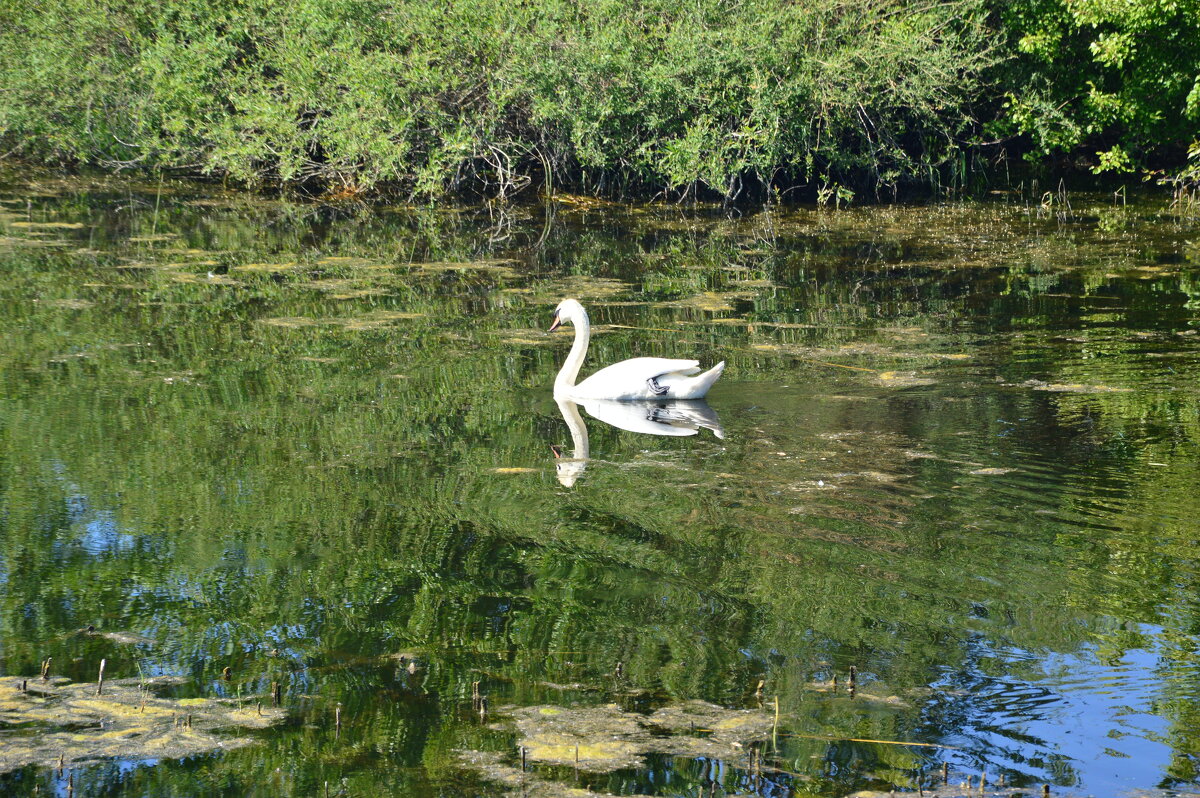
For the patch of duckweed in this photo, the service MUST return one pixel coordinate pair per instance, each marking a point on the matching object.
(582, 202)
(15, 241)
(524, 337)
(367, 321)
(68, 304)
(48, 225)
(375, 319)
(606, 738)
(345, 288)
(153, 239)
(708, 301)
(526, 783)
(291, 322)
(581, 288)
(189, 277)
(53, 721)
(904, 379)
(497, 266)
(269, 268)
(1073, 387)
(358, 293)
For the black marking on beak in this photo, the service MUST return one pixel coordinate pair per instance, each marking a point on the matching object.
(555, 323)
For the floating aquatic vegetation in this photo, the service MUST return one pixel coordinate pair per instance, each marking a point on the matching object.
(291, 322)
(48, 225)
(153, 239)
(525, 337)
(14, 241)
(498, 266)
(351, 262)
(190, 277)
(375, 319)
(527, 784)
(69, 304)
(709, 301)
(219, 279)
(904, 379)
(269, 268)
(582, 202)
(581, 288)
(989, 472)
(45, 722)
(973, 789)
(358, 293)
(515, 470)
(1059, 387)
(606, 738)
(367, 321)
(192, 252)
(345, 288)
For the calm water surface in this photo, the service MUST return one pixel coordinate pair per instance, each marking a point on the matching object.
(315, 445)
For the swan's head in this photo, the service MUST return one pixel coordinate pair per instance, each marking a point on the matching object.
(567, 310)
(568, 469)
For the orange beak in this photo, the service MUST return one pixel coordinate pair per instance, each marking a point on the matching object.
(556, 323)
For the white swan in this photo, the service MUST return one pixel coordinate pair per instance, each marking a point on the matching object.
(637, 378)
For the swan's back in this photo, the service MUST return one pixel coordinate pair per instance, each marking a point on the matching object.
(648, 378)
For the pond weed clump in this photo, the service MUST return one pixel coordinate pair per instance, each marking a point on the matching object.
(52, 721)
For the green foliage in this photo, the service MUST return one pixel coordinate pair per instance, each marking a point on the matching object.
(1116, 79)
(1185, 184)
(498, 94)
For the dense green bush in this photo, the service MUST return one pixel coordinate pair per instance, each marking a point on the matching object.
(829, 95)
(499, 94)
(1117, 81)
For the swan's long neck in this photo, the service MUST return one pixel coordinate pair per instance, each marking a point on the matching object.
(579, 435)
(568, 469)
(565, 380)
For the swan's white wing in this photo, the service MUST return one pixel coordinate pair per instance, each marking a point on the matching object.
(647, 418)
(692, 413)
(628, 378)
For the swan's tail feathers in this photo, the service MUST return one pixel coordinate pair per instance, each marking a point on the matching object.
(701, 383)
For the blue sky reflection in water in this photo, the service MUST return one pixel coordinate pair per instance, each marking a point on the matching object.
(316, 445)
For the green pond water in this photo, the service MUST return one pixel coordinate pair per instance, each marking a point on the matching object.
(955, 447)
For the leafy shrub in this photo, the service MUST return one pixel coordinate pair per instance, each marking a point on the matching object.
(1118, 79)
(499, 94)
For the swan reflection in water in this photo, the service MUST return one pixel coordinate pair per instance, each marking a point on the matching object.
(677, 418)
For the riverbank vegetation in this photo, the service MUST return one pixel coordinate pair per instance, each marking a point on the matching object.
(828, 99)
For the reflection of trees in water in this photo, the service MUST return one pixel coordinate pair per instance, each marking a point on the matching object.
(330, 492)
